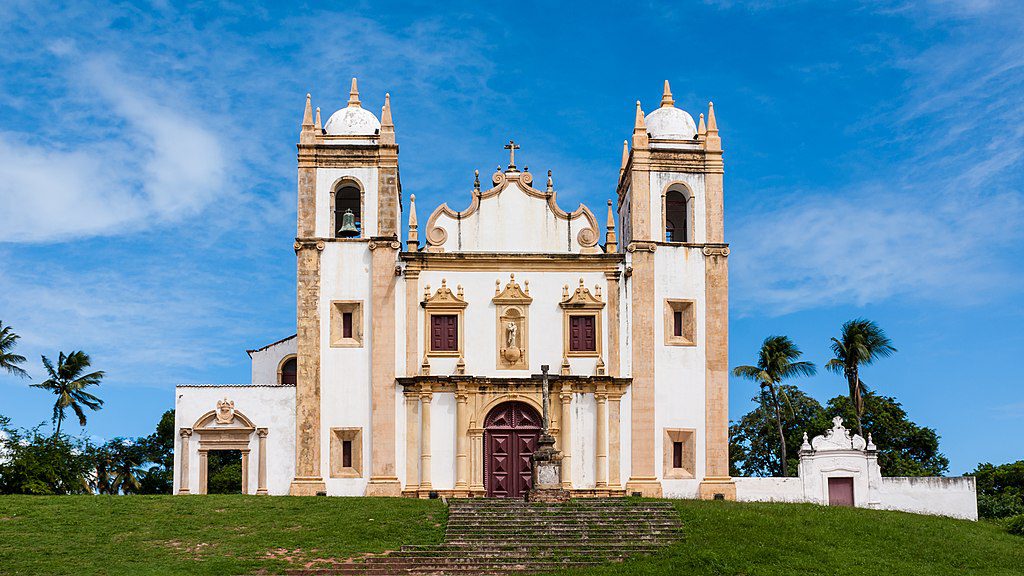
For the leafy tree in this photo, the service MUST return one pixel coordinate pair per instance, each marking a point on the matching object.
(68, 382)
(753, 444)
(777, 360)
(904, 448)
(36, 464)
(1000, 489)
(860, 343)
(9, 361)
(224, 472)
(158, 449)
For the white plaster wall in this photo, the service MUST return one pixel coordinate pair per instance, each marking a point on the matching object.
(584, 441)
(345, 372)
(956, 497)
(659, 183)
(266, 362)
(442, 441)
(270, 407)
(512, 221)
(545, 320)
(679, 371)
(769, 490)
(326, 179)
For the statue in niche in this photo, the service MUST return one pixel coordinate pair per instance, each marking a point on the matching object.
(511, 352)
(510, 332)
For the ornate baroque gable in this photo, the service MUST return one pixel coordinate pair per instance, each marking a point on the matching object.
(581, 297)
(513, 216)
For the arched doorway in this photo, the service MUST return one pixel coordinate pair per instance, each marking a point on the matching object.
(511, 432)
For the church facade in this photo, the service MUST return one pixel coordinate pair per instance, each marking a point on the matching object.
(418, 362)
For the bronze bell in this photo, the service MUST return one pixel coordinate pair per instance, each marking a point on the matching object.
(348, 225)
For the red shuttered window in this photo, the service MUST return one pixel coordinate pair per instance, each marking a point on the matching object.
(444, 332)
(582, 334)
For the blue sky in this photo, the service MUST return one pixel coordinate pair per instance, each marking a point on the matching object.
(874, 159)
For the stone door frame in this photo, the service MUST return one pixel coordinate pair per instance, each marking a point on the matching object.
(215, 433)
(514, 437)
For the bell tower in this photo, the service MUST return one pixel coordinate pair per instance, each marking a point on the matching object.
(349, 203)
(670, 214)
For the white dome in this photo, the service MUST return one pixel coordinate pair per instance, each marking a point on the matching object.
(354, 121)
(670, 123)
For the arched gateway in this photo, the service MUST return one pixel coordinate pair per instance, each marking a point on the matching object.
(511, 432)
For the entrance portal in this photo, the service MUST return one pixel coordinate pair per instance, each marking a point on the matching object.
(511, 433)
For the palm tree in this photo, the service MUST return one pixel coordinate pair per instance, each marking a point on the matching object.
(9, 360)
(69, 382)
(777, 361)
(861, 342)
(127, 469)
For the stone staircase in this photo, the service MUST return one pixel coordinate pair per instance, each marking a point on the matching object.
(501, 536)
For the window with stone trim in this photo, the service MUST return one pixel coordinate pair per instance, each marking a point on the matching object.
(346, 452)
(680, 448)
(583, 333)
(288, 374)
(680, 322)
(444, 332)
(346, 324)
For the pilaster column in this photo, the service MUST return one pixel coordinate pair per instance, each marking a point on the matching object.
(383, 459)
(412, 435)
(601, 474)
(412, 322)
(183, 480)
(476, 436)
(245, 471)
(613, 323)
(261, 472)
(203, 470)
(565, 396)
(308, 479)
(642, 442)
(614, 454)
(425, 398)
(461, 443)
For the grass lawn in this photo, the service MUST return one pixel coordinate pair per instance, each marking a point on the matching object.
(201, 535)
(755, 539)
(235, 535)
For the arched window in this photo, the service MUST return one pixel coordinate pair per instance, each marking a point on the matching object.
(676, 217)
(347, 199)
(289, 371)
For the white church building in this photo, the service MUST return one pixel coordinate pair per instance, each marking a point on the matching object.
(416, 366)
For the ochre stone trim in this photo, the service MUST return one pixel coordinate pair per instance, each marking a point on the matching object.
(716, 335)
(687, 193)
(338, 184)
(614, 321)
(444, 301)
(512, 308)
(688, 438)
(642, 405)
(337, 310)
(411, 322)
(308, 480)
(338, 436)
(688, 308)
(505, 261)
(581, 302)
(412, 436)
(383, 471)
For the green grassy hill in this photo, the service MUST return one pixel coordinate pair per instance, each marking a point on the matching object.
(219, 535)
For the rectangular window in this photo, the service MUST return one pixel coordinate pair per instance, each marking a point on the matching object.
(677, 323)
(677, 454)
(444, 332)
(346, 453)
(582, 334)
(680, 449)
(680, 322)
(346, 325)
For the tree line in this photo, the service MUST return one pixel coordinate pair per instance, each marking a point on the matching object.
(32, 462)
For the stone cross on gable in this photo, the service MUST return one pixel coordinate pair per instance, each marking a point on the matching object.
(511, 147)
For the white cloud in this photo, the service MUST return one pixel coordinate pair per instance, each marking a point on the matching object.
(160, 165)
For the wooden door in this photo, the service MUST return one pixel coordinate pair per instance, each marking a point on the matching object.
(511, 432)
(840, 491)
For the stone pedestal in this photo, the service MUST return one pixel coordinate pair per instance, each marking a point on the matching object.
(547, 473)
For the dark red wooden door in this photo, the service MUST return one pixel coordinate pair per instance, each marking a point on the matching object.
(840, 491)
(511, 432)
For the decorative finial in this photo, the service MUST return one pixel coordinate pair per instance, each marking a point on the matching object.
(385, 111)
(307, 114)
(566, 369)
(625, 156)
(712, 123)
(316, 125)
(550, 183)
(610, 243)
(413, 242)
(511, 147)
(641, 140)
(476, 180)
(460, 366)
(353, 94)
(806, 446)
(711, 138)
(425, 366)
(666, 96)
(526, 287)
(638, 124)
(497, 286)
(565, 291)
(458, 290)
(701, 128)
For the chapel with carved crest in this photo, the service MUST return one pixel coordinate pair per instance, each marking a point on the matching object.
(437, 363)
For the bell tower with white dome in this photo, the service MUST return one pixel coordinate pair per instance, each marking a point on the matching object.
(346, 246)
(670, 214)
